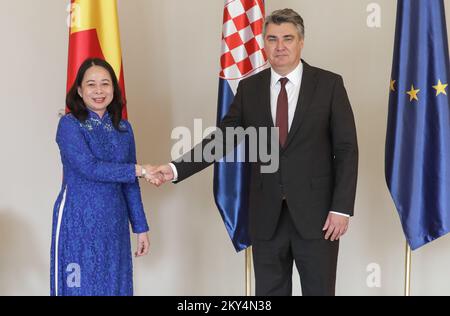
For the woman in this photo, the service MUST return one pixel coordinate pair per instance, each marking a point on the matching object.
(100, 193)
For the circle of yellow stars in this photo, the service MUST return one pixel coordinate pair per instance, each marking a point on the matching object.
(440, 88)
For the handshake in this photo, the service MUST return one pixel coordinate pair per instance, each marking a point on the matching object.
(156, 175)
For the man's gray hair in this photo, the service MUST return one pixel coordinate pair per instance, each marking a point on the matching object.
(286, 16)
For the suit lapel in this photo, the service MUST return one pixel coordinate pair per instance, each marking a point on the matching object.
(308, 87)
(265, 97)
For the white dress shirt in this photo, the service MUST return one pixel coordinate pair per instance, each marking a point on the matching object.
(292, 89)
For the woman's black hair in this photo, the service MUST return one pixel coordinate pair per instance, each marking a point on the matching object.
(75, 102)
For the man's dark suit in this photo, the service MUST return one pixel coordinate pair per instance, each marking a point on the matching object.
(318, 164)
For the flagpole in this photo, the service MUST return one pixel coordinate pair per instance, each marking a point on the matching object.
(408, 270)
(248, 271)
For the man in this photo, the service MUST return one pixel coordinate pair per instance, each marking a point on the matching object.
(298, 213)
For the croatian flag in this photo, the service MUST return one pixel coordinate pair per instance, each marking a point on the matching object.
(242, 56)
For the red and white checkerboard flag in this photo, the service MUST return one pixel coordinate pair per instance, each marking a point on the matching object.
(242, 39)
(242, 56)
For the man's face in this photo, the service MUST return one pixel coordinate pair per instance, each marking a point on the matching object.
(283, 46)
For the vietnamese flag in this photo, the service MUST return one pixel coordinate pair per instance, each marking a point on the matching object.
(94, 33)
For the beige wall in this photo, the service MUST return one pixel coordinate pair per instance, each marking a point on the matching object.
(170, 84)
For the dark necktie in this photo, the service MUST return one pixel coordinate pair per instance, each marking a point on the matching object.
(282, 112)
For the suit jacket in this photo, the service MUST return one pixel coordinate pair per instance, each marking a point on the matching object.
(318, 164)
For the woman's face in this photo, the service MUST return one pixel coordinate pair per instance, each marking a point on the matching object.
(96, 89)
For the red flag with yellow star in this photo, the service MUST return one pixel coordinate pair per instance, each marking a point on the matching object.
(94, 33)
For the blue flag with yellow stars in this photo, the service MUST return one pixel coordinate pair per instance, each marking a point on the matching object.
(418, 131)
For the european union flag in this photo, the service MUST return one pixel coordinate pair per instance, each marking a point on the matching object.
(418, 132)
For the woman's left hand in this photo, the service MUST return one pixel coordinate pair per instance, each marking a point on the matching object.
(143, 244)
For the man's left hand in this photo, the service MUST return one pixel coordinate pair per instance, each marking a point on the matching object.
(335, 226)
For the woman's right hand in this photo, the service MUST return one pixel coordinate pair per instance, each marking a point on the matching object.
(143, 245)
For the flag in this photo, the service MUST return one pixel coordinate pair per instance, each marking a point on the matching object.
(242, 56)
(94, 33)
(418, 132)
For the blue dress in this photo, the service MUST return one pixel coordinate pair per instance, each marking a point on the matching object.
(99, 198)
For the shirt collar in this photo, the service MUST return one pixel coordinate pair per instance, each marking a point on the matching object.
(93, 115)
(294, 76)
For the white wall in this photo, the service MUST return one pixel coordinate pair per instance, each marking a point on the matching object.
(169, 84)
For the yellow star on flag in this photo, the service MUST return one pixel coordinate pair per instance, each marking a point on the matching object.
(440, 88)
(392, 85)
(413, 93)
